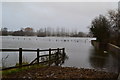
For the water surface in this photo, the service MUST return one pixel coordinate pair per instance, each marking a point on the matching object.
(79, 50)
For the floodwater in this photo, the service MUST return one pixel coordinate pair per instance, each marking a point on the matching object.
(80, 52)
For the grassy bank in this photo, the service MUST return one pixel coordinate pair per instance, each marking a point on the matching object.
(17, 70)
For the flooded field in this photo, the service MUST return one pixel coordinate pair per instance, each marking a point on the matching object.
(80, 52)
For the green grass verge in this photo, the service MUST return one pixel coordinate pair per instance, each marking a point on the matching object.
(12, 71)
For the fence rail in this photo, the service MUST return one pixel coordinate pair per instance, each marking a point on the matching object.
(7, 50)
(36, 60)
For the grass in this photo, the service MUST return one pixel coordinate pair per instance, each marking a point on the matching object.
(16, 70)
(11, 71)
(23, 63)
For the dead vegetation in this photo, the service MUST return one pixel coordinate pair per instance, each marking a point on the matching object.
(56, 72)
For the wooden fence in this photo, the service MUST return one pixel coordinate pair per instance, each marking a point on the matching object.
(59, 51)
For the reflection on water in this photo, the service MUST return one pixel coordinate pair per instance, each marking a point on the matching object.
(98, 59)
(104, 61)
(60, 60)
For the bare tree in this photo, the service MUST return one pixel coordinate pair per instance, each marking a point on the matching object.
(41, 33)
(114, 18)
(4, 31)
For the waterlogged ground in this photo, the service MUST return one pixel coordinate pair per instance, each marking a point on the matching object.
(80, 52)
(61, 73)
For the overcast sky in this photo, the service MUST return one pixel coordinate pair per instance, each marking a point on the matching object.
(73, 16)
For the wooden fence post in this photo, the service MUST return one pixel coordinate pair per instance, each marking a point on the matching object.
(63, 51)
(57, 51)
(20, 57)
(49, 55)
(57, 57)
(38, 56)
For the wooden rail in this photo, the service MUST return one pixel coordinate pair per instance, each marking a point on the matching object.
(36, 60)
(13, 50)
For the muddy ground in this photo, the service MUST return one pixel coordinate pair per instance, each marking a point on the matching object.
(55, 72)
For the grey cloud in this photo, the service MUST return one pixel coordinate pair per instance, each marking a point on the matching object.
(67, 14)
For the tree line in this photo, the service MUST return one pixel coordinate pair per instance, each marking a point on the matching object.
(107, 28)
(43, 32)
